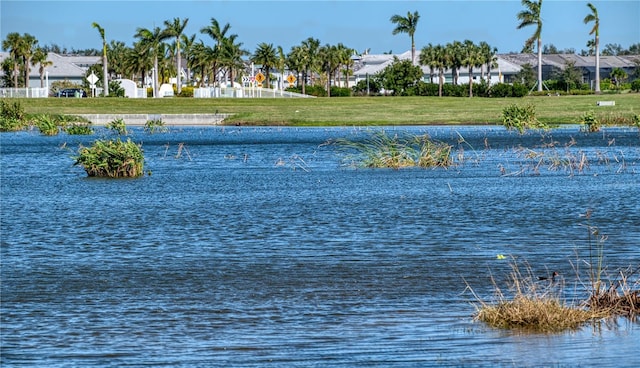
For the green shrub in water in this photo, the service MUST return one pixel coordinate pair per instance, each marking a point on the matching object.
(521, 118)
(118, 126)
(12, 117)
(47, 124)
(590, 122)
(384, 151)
(112, 159)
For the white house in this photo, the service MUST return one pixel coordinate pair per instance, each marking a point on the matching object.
(63, 68)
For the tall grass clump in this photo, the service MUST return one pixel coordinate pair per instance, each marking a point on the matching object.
(155, 126)
(118, 126)
(12, 116)
(397, 151)
(616, 296)
(47, 124)
(112, 159)
(76, 125)
(537, 305)
(590, 123)
(78, 129)
(534, 305)
(521, 118)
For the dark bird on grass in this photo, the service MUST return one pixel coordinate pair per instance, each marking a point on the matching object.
(552, 278)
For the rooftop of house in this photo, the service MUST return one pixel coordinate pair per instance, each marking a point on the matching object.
(62, 66)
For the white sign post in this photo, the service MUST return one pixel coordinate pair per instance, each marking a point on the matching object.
(92, 81)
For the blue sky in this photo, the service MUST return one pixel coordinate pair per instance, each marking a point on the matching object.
(358, 24)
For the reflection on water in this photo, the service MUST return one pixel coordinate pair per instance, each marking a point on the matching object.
(256, 246)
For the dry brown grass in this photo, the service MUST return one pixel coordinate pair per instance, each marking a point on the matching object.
(620, 297)
(535, 314)
(533, 305)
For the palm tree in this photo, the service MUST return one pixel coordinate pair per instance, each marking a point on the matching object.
(200, 56)
(407, 25)
(152, 41)
(175, 29)
(27, 48)
(218, 34)
(40, 58)
(427, 57)
(455, 51)
(12, 43)
(187, 44)
(528, 17)
(488, 54)
(115, 54)
(346, 60)
(593, 17)
(137, 61)
(472, 58)
(329, 58)
(265, 55)
(310, 48)
(231, 55)
(105, 70)
(295, 62)
(281, 63)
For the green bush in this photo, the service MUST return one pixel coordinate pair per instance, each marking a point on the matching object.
(156, 125)
(501, 90)
(317, 91)
(520, 118)
(361, 88)
(340, 92)
(635, 85)
(455, 90)
(12, 117)
(77, 127)
(118, 126)
(112, 159)
(519, 90)
(186, 92)
(47, 124)
(590, 122)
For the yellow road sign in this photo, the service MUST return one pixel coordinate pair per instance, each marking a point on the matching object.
(291, 79)
(260, 78)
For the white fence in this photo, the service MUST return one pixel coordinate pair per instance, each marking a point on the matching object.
(24, 92)
(247, 92)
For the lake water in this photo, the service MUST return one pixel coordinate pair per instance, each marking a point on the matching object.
(262, 247)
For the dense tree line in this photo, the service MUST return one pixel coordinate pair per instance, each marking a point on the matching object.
(220, 58)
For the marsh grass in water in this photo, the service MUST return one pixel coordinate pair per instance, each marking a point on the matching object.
(118, 126)
(47, 124)
(112, 159)
(12, 116)
(590, 122)
(534, 305)
(521, 118)
(155, 126)
(538, 305)
(398, 151)
(617, 296)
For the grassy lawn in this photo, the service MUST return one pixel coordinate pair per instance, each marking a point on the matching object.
(349, 111)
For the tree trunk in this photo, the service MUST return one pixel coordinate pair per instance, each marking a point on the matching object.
(470, 81)
(155, 76)
(27, 70)
(179, 67)
(539, 65)
(105, 72)
(597, 64)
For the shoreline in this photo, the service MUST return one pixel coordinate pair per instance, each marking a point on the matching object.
(167, 119)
